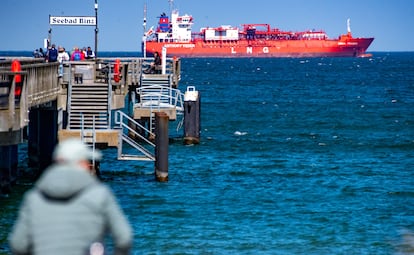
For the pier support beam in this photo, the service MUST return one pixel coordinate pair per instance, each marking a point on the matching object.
(8, 167)
(43, 134)
(161, 146)
(191, 116)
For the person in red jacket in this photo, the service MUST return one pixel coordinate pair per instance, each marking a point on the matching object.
(77, 55)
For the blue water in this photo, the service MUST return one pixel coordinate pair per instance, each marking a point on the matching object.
(297, 156)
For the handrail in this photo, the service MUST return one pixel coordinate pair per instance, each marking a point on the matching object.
(120, 118)
(174, 97)
(85, 136)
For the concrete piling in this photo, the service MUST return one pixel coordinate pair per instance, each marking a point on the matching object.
(161, 146)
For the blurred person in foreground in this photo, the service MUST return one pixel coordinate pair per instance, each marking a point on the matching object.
(69, 211)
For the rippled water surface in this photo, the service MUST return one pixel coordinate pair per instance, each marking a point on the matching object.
(297, 156)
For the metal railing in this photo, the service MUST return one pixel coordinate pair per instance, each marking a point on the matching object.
(88, 136)
(124, 122)
(157, 97)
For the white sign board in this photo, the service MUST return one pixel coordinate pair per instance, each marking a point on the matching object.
(72, 20)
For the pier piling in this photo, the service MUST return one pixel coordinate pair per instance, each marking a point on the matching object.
(161, 146)
(42, 135)
(8, 167)
(191, 116)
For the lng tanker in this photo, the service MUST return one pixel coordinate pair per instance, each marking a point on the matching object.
(250, 40)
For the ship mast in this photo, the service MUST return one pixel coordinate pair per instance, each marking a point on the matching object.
(144, 37)
(348, 24)
(171, 5)
(145, 18)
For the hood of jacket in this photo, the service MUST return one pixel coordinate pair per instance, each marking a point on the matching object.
(63, 182)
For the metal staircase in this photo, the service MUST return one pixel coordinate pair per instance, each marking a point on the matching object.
(89, 100)
(134, 138)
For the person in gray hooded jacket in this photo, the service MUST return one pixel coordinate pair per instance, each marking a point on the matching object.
(68, 211)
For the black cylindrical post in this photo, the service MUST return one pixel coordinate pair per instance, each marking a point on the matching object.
(5, 169)
(191, 117)
(161, 146)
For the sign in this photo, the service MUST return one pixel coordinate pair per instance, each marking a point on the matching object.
(72, 21)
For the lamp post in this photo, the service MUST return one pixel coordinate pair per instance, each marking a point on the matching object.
(96, 29)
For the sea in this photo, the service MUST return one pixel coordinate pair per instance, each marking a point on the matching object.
(296, 156)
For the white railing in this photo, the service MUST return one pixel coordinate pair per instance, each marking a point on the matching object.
(124, 122)
(157, 97)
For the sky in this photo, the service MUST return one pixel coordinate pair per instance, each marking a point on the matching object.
(25, 23)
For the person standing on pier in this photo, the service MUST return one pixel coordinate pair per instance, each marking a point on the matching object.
(52, 54)
(69, 211)
(62, 56)
(77, 55)
(38, 53)
(89, 53)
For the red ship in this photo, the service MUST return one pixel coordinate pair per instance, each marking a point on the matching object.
(251, 40)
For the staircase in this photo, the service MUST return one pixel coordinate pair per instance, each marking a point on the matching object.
(130, 136)
(88, 101)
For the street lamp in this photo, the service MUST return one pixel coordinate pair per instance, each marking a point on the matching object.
(96, 29)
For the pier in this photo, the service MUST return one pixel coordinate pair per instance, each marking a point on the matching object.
(107, 102)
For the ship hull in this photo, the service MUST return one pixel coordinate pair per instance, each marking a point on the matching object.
(352, 47)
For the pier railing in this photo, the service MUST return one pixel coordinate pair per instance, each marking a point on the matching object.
(45, 85)
(157, 97)
(35, 84)
(39, 82)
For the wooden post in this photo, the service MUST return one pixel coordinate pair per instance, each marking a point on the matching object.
(161, 146)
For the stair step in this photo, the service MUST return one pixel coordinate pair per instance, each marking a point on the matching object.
(89, 85)
(78, 126)
(79, 121)
(89, 93)
(90, 114)
(91, 108)
(89, 103)
(78, 117)
(135, 157)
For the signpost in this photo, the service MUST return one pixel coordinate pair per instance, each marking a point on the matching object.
(96, 29)
(76, 21)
